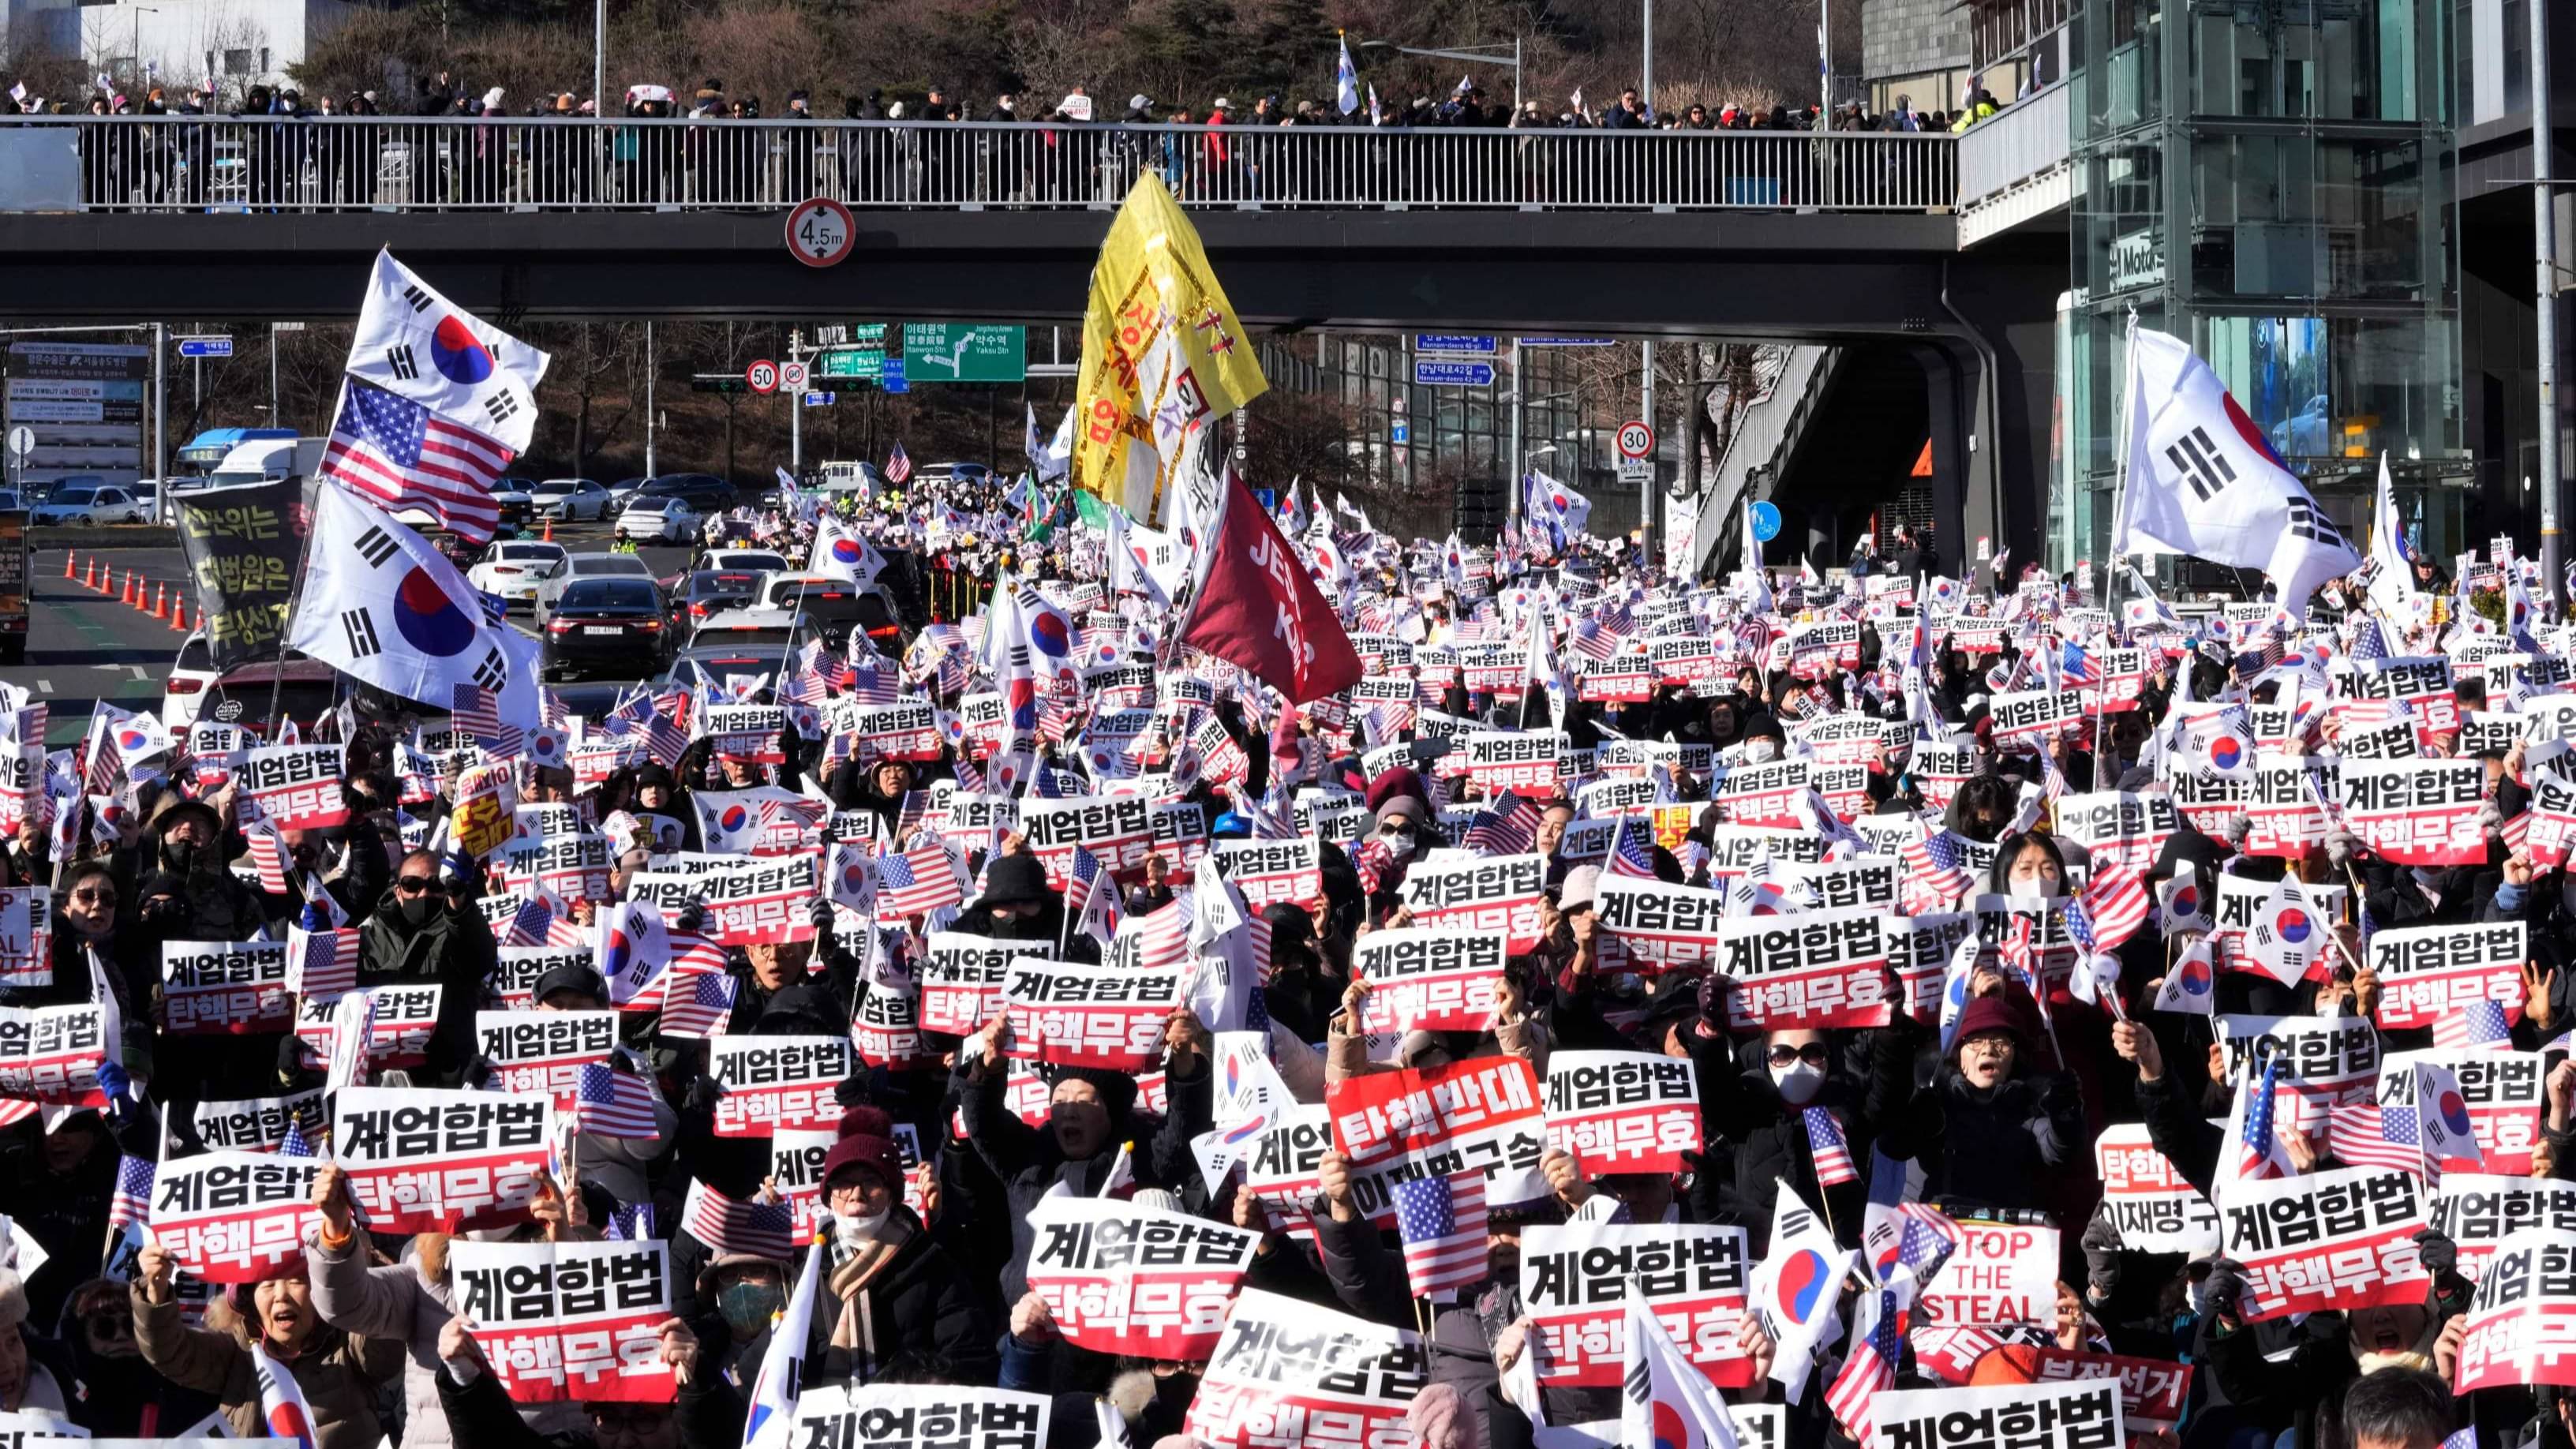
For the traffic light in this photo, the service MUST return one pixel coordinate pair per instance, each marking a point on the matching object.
(719, 382)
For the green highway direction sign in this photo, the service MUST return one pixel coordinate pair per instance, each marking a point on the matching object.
(964, 352)
(865, 364)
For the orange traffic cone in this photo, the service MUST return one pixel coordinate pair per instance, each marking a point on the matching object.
(550, 529)
(70, 556)
(89, 576)
(160, 601)
(127, 595)
(179, 618)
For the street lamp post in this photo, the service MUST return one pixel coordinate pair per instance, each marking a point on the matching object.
(139, 12)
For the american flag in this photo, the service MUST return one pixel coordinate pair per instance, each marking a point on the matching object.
(2368, 644)
(321, 964)
(296, 1143)
(1508, 827)
(695, 951)
(2367, 1134)
(1442, 1222)
(133, 1200)
(1934, 876)
(1081, 879)
(870, 683)
(267, 857)
(1598, 638)
(2259, 1154)
(612, 1103)
(1871, 1365)
(530, 925)
(1369, 860)
(1825, 1143)
(2075, 665)
(478, 713)
(765, 1229)
(629, 1224)
(1927, 1242)
(1166, 932)
(2115, 904)
(1631, 851)
(404, 456)
(898, 466)
(2478, 1024)
(923, 879)
(697, 1004)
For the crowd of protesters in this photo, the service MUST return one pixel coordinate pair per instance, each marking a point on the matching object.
(1997, 1103)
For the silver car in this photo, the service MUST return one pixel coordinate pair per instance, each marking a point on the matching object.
(585, 566)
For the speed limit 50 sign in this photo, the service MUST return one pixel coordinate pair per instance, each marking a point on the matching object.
(761, 376)
(819, 232)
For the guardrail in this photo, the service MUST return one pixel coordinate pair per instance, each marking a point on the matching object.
(261, 163)
(2023, 140)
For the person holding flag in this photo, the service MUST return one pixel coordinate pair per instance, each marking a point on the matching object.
(279, 1371)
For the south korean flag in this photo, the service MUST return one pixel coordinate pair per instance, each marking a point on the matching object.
(416, 344)
(383, 606)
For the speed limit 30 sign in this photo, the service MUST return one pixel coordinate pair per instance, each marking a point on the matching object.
(762, 376)
(1636, 439)
(819, 232)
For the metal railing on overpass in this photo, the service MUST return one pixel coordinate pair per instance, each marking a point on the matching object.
(264, 163)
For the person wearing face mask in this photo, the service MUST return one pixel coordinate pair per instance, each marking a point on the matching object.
(1991, 1131)
(656, 798)
(1763, 740)
(1983, 807)
(188, 840)
(1016, 904)
(421, 935)
(1089, 1118)
(615, 1165)
(890, 1288)
(1759, 1106)
(336, 1371)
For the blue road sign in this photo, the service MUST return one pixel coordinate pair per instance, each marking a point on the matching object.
(205, 347)
(1434, 372)
(821, 399)
(1568, 341)
(1766, 522)
(892, 378)
(1269, 498)
(1453, 342)
(1400, 431)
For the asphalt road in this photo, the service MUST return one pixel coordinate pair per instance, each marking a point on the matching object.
(83, 647)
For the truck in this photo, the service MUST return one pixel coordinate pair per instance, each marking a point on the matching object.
(267, 460)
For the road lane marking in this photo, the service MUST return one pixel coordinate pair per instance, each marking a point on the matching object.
(44, 686)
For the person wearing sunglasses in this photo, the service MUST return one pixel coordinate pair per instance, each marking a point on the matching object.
(426, 933)
(1759, 1098)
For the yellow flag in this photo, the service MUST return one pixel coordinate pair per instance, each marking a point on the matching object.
(1161, 350)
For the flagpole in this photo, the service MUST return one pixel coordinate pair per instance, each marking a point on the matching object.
(2120, 455)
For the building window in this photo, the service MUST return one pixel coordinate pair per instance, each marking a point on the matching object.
(236, 62)
(263, 60)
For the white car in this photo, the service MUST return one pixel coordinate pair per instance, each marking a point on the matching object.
(511, 570)
(191, 675)
(573, 500)
(659, 519)
(86, 504)
(743, 561)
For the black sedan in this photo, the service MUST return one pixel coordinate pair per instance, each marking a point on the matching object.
(615, 625)
(710, 591)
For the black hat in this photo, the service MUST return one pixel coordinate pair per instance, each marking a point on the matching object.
(569, 977)
(1117, 1089)
(1015, 880)
(656, 774)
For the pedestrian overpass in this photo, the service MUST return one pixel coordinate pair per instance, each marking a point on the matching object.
(1829, 238)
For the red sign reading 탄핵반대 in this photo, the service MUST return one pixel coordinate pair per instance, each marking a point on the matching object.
(234, 1217)
(1576, 1281)
(1129, 1280)
(1285, 1372)
(1481, 1116)
(2344, 1238)
(569, 1321)
(421, 1160)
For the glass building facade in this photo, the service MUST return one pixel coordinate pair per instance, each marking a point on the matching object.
(2268, 179)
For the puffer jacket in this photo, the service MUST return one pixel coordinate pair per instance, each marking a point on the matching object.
(337, 1373)
(916, 1303)
(396, 1306)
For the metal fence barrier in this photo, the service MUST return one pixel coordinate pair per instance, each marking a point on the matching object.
(261, 163)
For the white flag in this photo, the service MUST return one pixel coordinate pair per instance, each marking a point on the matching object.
(2203, 481)
(416, 344)
(382, 605)
(1666, 1403)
